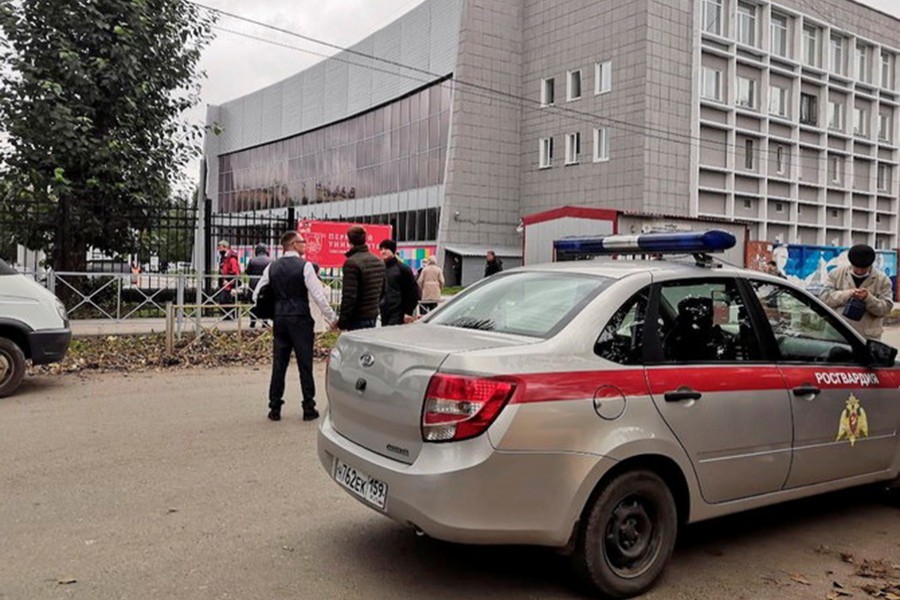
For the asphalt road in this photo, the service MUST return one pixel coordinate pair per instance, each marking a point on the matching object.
(176, 486)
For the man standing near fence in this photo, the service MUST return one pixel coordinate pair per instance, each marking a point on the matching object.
(293, 280)
(255, 268)
(363, 283)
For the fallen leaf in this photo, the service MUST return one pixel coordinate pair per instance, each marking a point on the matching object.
(847, 557)
(800, 579)
(66, 580)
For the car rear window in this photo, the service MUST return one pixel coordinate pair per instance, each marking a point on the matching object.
(535, 304)
(5, 269)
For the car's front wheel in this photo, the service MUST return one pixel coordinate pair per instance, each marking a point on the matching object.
(12, 367)
(627, 535)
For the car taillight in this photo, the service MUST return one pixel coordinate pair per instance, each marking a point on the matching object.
(459, 408)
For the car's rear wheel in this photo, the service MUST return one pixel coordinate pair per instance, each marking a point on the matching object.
(12, 367)
(627, 536)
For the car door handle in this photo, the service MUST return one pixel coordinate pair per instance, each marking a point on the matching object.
(682, 394)
(806, 390)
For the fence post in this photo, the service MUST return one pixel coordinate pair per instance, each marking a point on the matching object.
(51, 281)
(119, 297)
(292, 220)
(170, 329)
(207, 238)
(199, 311)
(179, 301)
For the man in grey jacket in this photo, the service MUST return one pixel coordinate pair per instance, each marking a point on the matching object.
(860, 292)
(255, 268)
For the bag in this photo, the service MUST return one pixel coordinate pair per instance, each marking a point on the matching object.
(265, 303)
(855, 309)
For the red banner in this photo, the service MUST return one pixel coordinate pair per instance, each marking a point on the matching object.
(326, 241)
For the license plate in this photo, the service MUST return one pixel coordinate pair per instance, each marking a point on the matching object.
(366, 487)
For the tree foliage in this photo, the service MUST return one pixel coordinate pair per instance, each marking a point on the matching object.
(92, 94)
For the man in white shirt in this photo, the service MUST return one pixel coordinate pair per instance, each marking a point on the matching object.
(293, 281)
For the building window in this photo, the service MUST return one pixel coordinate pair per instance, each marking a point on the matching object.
(778, 101)
(548, 91)
(746, 92)
(573, 148)
(884, 127)
(602, 77)
(748, 204)
(748, 155)
(546, 153)
(834, 215)
(878, 218)
(811, 45)
(746, 23)
(835, 115)
(809, 109)
(884, 178)
(601, 144)
(887, 70)
(835, 169)
(778, 34)
(838, 59)
(779, 160)
(860, 121)
(574, 92)
(779, 207)
(712, 16)
(711, 84)
(862, 63)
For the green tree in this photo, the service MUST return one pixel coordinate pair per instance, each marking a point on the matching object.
(92, 94)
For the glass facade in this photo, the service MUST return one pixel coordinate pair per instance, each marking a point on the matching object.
(396, 147)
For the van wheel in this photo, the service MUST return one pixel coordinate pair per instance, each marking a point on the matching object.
(12, 367)
(627, 536)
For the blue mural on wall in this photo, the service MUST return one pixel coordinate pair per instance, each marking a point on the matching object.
(809, 266)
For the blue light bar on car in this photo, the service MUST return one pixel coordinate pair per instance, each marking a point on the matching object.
(649, 243)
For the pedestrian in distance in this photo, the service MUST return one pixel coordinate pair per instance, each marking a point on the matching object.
(229, 272)
(860, 293)
(493, 264)
(293, 281)
(255, 268)
(401, 292)
(431, 284)
(363, 283)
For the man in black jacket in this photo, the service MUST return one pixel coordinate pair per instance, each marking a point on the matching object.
(363, 283)
(401, 292)
(293, 280)
(492, 264)
(255, 268)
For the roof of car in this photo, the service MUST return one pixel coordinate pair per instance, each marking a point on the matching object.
(618, 269)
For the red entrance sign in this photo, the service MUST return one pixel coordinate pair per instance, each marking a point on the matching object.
(326, 241)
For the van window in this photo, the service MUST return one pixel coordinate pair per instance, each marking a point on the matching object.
(5, 269)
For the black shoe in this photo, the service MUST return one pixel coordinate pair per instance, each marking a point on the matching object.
(275, 414)
(310, 414)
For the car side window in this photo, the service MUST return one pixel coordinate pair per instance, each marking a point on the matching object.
(622, 339)
(802, 329)
(705, 322)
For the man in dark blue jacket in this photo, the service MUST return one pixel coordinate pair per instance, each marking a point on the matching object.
(293, 281)
(401, 292)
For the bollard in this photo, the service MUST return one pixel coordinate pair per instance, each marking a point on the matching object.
(170, 329)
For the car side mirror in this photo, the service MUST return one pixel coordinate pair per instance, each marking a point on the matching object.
(881, 354)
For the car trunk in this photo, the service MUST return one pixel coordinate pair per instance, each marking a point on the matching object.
(377, 381)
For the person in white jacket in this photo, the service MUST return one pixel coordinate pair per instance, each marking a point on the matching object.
(860, 292)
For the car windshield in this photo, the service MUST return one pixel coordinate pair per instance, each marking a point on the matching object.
(535, 304)
(5, 269)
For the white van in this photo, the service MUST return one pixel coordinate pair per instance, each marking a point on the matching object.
(33, 325)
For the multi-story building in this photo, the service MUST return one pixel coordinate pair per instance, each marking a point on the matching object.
(464, 116)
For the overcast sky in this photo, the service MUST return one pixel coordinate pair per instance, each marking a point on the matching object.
(237, 65)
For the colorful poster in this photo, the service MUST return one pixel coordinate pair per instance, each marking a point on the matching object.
(326, 241)
(415, 256)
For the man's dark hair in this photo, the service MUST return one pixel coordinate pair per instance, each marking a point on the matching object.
(861, 256)
(261, 249)
(772, 263)
(388, 245)
(288, 238)
(356, 235)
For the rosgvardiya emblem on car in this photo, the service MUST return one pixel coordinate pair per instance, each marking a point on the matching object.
(854, 422)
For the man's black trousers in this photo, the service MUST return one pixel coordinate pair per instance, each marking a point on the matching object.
(292, 334)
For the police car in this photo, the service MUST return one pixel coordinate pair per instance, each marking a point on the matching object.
(33, 325)
(597, 406)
